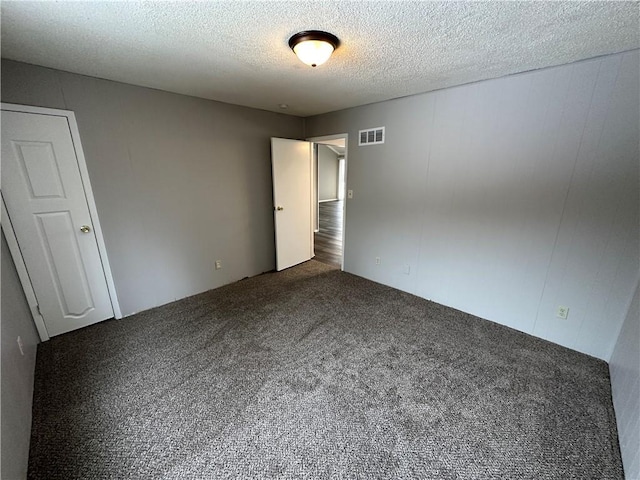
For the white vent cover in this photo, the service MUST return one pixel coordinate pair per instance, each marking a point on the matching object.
(371, 136)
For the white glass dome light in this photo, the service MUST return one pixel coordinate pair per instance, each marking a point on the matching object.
(313, 52)
(313, 47)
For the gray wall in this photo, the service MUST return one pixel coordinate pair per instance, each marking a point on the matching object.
(505, 198)
(178, 181)
(327, 173)
(625, 386)
(17, 370)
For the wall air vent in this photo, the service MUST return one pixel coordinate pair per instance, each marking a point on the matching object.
(371, 136)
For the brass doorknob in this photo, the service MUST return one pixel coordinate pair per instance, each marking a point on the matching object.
(85, 228)
(279, 208)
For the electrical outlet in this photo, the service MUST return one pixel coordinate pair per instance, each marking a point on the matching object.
(349, 193)
(20, 346)
(218, 264)
(377, 260)
(562, 312)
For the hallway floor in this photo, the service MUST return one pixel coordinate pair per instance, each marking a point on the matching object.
(328, 240)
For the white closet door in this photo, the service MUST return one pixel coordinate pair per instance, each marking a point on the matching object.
(45, 198)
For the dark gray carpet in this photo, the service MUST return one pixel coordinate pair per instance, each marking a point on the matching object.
(315, 373)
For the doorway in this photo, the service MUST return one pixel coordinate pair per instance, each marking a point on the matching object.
(330, 167)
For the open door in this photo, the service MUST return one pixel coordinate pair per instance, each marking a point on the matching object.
(292, 163)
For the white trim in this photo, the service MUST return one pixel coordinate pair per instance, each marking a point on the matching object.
(312, 251)
(12, 107)
(315, 192)
(346, 169)
(336, 136)
(93, 212)
(23, 275)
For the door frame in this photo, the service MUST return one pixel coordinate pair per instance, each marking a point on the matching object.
(337, 136)
(12, 242)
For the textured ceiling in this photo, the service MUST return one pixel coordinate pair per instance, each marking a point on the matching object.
(237, 52)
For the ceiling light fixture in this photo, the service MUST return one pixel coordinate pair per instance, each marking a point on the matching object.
(314, 47)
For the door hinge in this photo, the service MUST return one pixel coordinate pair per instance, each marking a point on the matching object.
(39, 312)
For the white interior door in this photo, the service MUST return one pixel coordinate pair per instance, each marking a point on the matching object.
(292, 165)
(47, 206)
